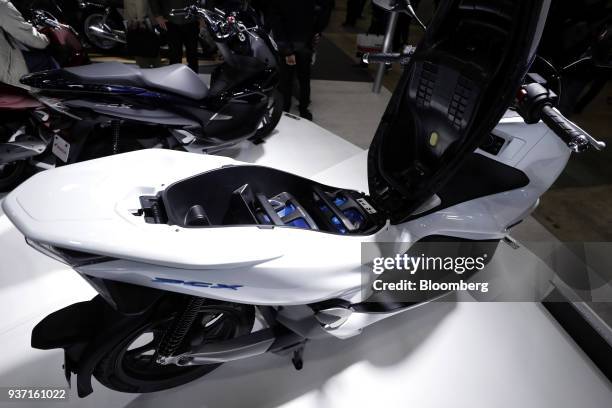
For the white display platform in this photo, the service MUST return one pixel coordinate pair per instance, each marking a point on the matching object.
(297, 146)
(441, 354)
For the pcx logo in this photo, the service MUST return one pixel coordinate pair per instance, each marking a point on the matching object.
(196, 284)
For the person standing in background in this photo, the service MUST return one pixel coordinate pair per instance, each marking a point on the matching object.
(297, 26)
(354, 9)
(181, 31)
(140, 20)
(16, 34)
(402, 31)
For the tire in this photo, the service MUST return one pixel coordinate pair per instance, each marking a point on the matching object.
(134, 370)
(98, 43)
(273, 115)
(12, 174)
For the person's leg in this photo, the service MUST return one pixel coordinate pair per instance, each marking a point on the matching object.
(361, 6)
(377, 24)
(190, 39)
(352, 12)
(285, 85)
(175, 44)
(401, 32)
(304, 59)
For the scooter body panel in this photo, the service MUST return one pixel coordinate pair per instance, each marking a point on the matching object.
(534, 150)
(249, 264)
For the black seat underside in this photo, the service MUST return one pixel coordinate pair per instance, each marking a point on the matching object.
(177, 79)
(460, 81)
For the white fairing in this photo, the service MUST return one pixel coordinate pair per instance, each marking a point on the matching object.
(89, 207)
(533, 149)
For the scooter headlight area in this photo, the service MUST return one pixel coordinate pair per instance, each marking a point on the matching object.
(179, 234)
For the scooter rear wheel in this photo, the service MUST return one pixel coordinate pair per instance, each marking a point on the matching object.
(103, 45)
(131, 364)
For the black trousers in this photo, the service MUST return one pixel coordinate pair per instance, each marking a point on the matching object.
(303, 59)
(354, 8)
(402, 31)
(186, 35)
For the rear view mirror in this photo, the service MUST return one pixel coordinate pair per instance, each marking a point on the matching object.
(404, 6)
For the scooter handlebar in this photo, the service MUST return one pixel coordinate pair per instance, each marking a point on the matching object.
(577, 139)
(536, 102)
(222, 28)
(381, 57)
(389, 58)
(180, 12)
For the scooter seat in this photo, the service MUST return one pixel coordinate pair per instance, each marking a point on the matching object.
(177, 79)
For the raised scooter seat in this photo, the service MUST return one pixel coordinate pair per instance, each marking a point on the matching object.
(177, 79)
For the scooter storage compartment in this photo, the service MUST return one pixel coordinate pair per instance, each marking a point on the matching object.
(256, 195)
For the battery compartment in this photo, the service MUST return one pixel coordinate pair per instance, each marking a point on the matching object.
(255, 195)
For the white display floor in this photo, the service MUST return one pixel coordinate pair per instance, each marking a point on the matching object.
(441, 354)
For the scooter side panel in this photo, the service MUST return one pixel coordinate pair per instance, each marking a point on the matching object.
(312, 268)
(533, 149)
(238, 118)
(132, 112)
(92, 208)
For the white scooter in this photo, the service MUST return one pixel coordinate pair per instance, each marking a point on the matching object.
(200, 261)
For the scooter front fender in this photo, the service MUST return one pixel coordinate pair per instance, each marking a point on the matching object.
(86, 331)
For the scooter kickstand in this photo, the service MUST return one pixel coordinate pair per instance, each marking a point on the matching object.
(298, 360)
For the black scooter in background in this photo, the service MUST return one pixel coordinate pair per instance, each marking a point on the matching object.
(100, 22)
(109, 108)
(21, 115)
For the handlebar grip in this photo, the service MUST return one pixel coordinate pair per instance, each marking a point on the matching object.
(577, 139)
